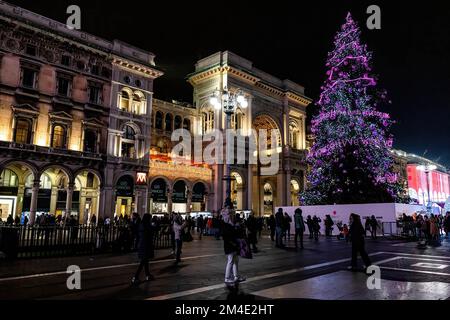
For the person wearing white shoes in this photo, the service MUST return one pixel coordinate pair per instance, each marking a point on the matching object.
(231, 246)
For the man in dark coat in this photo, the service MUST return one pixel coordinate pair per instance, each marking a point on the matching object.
(309, 223)
(145, 247)
(373, 227)
(357, 234)
(271, 223)
(299, 227)
(252, 227)
(279, 224)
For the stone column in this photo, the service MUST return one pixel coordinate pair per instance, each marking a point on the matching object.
(20, 196)
(53, 200)
(136, 201)
(189, 202)
(169, 202)
(250, 187)
(34, 199)
(288, 187)
(70, 188)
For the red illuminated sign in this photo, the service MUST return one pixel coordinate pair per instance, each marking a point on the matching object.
(141, 178)
(418, 186)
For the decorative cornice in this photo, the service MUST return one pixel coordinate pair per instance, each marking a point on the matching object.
(244, 76)
(136, 67)
(304, 101)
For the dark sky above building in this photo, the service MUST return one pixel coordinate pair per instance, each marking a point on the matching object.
(290, 39)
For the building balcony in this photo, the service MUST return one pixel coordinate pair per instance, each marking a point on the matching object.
(23, 151)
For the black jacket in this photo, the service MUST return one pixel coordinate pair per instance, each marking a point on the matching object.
(357, 232)
(145, 243)
(230, 235)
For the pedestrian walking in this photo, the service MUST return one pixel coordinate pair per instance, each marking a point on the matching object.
(328, 226)
(252, 228)
(316, 227)
(447, 224)
(178, 230)
(373, 227)
(279, 223)
(272, 226)
(145, 248)
(357, 234)
(287, 226)
(309, 223)
(231, 247)
(299, 227)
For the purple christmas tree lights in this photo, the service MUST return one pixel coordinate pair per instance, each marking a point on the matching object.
(350, 161)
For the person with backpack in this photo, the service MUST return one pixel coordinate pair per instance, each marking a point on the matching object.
(299, 227)
(145, 247)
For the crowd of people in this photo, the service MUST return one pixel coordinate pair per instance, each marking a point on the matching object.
(428, 228)
(240, 234)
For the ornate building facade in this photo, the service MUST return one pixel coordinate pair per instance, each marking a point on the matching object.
(75, 116)
(273, 104)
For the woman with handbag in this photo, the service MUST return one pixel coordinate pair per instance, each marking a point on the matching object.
(231, 247)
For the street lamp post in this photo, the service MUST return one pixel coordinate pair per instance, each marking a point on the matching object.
(229, 102)
(427, 168)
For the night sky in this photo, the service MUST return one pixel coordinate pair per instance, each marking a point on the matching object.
(290, 39)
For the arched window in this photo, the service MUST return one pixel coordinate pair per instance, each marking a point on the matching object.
(8, 179)
(124, 101)
(129, 133)
(236, 120)
(168, 122)
(22, 133)
(207, 121)
(129, 143)
(159, 120)
(187, 124)
(90, 180)
(293, 135)
(138, 103)
(177, 122)
(59, 137)
(90, 140)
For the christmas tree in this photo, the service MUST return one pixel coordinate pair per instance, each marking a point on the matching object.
(351, 161)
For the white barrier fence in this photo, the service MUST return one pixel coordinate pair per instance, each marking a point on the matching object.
(383, 212)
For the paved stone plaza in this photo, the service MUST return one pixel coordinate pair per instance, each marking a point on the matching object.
(317, 272)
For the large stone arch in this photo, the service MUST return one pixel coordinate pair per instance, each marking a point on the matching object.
(206, 184)
(68, 172)
(95, 172)
(166, 180)
(13, 162)
(266, 121)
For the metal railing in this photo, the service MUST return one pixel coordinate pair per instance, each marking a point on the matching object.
(48, 241)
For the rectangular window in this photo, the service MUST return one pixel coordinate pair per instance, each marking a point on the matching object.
(29, 78)
(63, 86)
(31, 50)
(95, 70)
(65, 60)
(94, 94)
